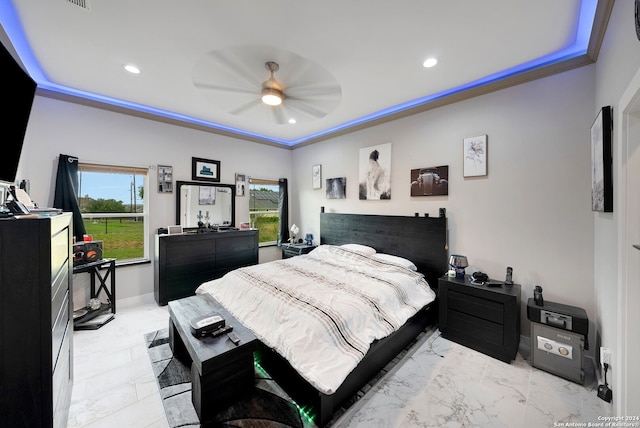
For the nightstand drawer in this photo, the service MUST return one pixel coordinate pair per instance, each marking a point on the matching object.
(476, 307)
(466, 325)
(292, 250)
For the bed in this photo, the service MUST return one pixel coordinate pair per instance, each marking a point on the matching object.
(323, 370)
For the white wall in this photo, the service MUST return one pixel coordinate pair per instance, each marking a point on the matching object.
(57, 127)
(533, 209)
(617, 64)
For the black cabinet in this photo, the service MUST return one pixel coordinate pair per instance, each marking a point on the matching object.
(292, 250)
(480, 317)
(36, 321)
(183, 262)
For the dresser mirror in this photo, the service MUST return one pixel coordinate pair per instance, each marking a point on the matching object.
(211, 204)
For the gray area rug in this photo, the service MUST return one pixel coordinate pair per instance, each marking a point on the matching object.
(267, 407)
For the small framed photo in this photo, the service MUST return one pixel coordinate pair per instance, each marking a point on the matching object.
(474, 150)
(205, 170)
(430, 181)
(241, 184)
(316, 174)
(336, 188)
(165, 179)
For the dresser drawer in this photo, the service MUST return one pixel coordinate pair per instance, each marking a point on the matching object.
(461, 324)
(59, 290)
(237, 259)
(476, 306)
(184, 253)
(61, 381)
(236, 243)
(59, 328)
(60, 248)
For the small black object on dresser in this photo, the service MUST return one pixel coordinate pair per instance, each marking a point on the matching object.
(292, 250)
(483, 318)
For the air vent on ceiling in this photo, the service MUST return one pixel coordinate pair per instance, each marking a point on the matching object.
(81, 3)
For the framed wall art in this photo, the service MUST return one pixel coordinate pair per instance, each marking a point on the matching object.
(336, 188)
(375, 172)
(431, 181)
(601, 162)
(165, 179)
(316, 176)
(241, 184)
(205, 170)
(474, 150)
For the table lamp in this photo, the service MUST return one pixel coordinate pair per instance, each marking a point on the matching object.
(308, 238)
(458, 262)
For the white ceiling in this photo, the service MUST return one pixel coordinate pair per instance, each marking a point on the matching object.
(354, 62)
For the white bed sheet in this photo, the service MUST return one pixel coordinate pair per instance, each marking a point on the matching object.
(321, 311)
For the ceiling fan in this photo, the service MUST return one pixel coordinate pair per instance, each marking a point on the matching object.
(272, 94)
(234, 80)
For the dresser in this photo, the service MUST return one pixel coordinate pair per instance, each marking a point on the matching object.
(182, 262)
(36, 321)
(480, 317)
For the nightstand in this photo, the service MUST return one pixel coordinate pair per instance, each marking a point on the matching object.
(480, 317)
(292, 250)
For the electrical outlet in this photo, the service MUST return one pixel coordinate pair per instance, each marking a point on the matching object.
(605, 356)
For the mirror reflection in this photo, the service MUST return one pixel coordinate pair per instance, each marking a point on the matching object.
(210, 204)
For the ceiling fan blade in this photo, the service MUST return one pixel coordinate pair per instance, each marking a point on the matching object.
(238, 67)
(306, 107)
(278, 115)
(246, 106)
(296, 71)
(321, 91)
(208, 86)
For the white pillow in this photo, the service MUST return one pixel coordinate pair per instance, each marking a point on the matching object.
(397, 260)
(364, 249)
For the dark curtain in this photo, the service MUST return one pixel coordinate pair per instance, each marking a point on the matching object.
(66, 195)
(283, 207)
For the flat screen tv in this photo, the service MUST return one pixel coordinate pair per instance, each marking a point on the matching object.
(18, 101)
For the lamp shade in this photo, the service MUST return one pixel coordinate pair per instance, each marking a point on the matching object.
(458, 261)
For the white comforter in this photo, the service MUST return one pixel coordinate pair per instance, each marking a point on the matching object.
(322, 311)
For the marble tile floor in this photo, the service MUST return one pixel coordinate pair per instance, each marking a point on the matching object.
(438, 384)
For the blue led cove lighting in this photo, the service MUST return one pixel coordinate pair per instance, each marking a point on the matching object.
(11, 25)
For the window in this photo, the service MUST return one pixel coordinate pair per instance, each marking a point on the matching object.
(114, 211)
(264, 213)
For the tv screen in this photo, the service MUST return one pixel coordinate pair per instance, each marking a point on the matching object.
(18, 101)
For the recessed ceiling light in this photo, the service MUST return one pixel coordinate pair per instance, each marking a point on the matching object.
(292, 121)
(132, 69)
(429, 62)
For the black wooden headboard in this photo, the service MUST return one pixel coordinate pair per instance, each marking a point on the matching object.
(423, 240)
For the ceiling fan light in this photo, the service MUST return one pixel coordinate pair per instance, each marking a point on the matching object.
(271, 96)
